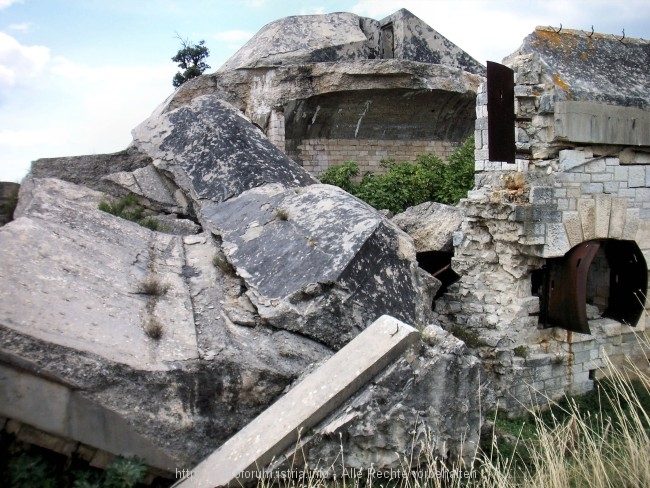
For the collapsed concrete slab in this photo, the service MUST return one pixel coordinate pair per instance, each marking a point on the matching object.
(283, 272)
(80, 288)
(314, 258)
(187, 335)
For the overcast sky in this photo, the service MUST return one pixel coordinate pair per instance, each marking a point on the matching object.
(77, 75)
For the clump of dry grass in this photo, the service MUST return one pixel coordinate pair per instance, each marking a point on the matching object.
(282, 214)
(220, 262)
(153, 328)
(153, 286)
(585, 449)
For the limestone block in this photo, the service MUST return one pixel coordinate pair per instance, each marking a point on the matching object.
(643, 234)
(557, 241)
(573, 227)
(587, 210)
(592, 122)
(636, 177)
(617, 218)
(591, 188)
(602, 215)
(431, 225)
(570, 158)
(631, 223)
(541, 195)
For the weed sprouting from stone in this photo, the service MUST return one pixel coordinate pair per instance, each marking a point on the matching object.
(521, 351)
(220, 262)
(153, 328)
(153, 286)
(281, 214)
(470, 337)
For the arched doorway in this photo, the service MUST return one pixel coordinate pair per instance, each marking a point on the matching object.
(566, 284)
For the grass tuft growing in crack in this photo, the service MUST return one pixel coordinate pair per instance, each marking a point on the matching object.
(222, 263)
(282, 214)
(130, 208)
(153, 286)
(153, 328)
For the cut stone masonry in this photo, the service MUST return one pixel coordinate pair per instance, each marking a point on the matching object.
(581, 173)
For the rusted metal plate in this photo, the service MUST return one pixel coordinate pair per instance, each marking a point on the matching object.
(628, 281)
(501, 112)
(566, 288)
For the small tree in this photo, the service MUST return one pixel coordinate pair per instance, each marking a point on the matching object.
(190, 58)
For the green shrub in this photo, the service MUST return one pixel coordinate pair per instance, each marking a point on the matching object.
(341, 176)
(406, 184)
(129, 208)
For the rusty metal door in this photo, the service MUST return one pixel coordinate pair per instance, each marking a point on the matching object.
(566, 288)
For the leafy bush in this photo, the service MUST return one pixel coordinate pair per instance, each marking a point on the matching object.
(129, 208)
(406, 184)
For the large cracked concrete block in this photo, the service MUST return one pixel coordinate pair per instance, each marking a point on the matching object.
(322, 258)
(431, 225)
(212, 152)
(315, 259)
(71, 309)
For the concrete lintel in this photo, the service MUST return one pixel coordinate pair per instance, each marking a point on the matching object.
(278, 427)
(599, 123)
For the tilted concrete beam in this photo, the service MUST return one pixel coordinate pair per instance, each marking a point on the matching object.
(278, 427)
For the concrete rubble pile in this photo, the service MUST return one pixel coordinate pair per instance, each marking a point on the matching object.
(165, 343)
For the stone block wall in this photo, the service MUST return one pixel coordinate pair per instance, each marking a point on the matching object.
(319, 154)
(275, 129)
(557, 194)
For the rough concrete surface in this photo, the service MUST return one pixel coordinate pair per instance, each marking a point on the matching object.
(304, 405)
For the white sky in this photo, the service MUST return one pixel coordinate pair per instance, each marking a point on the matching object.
(77, 75)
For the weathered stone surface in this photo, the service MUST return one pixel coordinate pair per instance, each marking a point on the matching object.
(317, 260)
(148, 182)
(85, 266)
(436, 412)
(600, 69)
(598, 123)
(416, 41)
(338, 80)
(71, 305)
(344, 36)
(431, 225)
(212, 152)
(284, 272)
(281, 272)
(89, 170)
